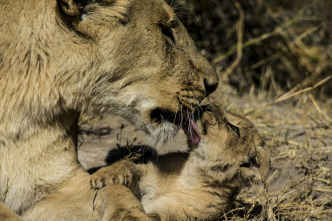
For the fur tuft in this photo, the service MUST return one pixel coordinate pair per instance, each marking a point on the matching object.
(162, 134)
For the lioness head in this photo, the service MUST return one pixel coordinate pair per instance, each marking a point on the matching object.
(233, 146)
(139, 62)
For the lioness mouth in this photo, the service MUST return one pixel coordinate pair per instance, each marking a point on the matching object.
(185, 121)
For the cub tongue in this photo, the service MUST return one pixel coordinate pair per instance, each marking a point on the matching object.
(190, 129)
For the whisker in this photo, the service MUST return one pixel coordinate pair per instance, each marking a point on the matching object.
(199, 107)
(189, 123)
(193, 115)
(177, 108)
(181, 13)
(191, 112)
(178, 4)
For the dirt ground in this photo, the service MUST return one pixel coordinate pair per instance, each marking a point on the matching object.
(297, 132)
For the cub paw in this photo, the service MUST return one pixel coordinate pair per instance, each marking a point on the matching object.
(121, 172)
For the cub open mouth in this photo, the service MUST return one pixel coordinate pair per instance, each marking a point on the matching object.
(183, 120)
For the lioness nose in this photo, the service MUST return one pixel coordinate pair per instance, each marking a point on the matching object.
(211, 82)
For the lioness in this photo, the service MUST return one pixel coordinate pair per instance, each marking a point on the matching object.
(201, 183)
(6, 214)
(59, 58)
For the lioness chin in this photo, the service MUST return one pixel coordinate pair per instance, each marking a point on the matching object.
(59, 58)
(201, 183)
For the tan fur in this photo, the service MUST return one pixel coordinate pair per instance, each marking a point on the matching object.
(61, 58)
(202, 183)
(6, 214)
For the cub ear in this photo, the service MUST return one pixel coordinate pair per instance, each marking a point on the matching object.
(71, 8)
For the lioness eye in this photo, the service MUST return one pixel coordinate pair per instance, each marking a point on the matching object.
(235, 129)
(167, 32)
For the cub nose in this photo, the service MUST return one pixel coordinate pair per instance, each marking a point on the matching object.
(211, 82)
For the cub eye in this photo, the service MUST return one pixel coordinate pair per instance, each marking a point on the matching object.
(167, 32)
(235, 129)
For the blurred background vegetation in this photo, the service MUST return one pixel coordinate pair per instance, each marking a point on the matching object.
(259, 45)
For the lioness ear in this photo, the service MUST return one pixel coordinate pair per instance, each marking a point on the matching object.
(71, 8)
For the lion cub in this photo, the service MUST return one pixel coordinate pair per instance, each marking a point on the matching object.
(201, 183)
